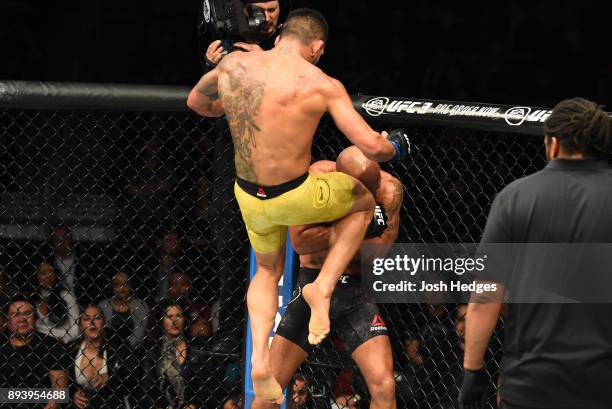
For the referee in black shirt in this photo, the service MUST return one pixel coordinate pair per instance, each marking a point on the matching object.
(555, 355)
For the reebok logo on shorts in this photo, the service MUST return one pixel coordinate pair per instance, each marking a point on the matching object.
(377, 324)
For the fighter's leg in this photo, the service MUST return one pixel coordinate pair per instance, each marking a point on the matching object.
(375, 361)
(262, 301)
(346, 237)
(285, 358)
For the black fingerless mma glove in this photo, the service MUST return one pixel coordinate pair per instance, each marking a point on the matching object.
(474, 388)
(401, 141)
(378, 224)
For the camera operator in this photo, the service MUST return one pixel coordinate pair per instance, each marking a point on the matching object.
(272, 11)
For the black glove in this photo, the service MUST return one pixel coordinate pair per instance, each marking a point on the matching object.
(401, 141)
(474, 388)
(378, 224)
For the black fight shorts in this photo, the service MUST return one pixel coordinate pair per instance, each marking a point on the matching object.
(353, 320)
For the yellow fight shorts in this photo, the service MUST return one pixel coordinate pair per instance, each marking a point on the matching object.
(311, 198)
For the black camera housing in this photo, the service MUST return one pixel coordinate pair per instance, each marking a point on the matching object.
(227, 21)
(257, 19)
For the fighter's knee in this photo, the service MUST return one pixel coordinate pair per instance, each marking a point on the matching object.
(383, 387)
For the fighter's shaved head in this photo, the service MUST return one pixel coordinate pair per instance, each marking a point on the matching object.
(353, 162)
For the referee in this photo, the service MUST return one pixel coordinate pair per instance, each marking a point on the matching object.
(555, 355)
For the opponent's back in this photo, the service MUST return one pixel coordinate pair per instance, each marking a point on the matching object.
(273, 101)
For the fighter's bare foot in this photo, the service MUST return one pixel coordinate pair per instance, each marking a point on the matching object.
(319, 303)
(265, 385)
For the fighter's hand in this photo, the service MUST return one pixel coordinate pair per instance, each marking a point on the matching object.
(473, 392)
(215, 53)
(248, 47)
(401, 142)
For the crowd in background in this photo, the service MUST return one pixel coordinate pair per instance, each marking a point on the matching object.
(140, 345)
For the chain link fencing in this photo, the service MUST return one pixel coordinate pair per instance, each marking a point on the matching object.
(121, 225)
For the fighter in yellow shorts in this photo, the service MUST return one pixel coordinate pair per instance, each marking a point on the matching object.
(273, 101)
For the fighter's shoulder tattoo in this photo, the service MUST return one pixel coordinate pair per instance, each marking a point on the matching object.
(242, 98)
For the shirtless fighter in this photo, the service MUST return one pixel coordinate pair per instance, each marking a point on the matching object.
(273, 101)
(356, 322)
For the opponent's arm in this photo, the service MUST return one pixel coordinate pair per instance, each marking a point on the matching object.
(374, 145)
(392, 204)
(204, 97)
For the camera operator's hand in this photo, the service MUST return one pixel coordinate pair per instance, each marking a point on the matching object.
(215, 53)
(248, 47)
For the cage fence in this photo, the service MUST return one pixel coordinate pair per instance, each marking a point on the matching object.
(127, 217)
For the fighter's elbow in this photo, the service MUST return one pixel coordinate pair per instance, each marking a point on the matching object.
(194, 103)
(201, 106)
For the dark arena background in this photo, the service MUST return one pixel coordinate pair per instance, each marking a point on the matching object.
(119, 187)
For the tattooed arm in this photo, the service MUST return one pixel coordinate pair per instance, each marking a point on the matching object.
(204, 97)
(392, 203)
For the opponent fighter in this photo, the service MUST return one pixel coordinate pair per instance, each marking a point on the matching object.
(356, 322)
(273, 101)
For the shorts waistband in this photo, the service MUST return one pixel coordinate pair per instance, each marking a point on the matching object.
(310, 274)
(270, 192)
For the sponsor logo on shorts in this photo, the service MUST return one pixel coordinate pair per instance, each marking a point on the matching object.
(378, 324)
(206, 11)
(261, 192)
(376, 106)
(343, 280)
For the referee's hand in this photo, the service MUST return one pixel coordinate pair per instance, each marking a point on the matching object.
(473, 392)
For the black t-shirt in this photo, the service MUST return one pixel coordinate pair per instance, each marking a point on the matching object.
(28, 366)
(122, 325)
(556, 355)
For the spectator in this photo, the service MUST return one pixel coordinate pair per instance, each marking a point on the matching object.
(7, 291)
(345, 402)
(460, 325)
(127, 316)
(150, 187)
(71, 270)
(452, 371)
(168, 380)
(198, 317)
(301, 393)
(233, 402)
(102, 368)
(168, 255)
(57, 310)
(29, 359)
(199, 229)
(420, 342)
(428, 351)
